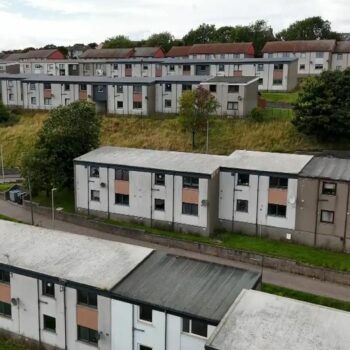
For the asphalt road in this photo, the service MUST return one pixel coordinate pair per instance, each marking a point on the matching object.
(283, 279)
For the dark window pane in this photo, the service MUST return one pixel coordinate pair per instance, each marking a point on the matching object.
(190, 182)
(48, 288)
(159, 179)
(190, 209)
(199, 328)
(243, 179)
(145, 313)
(159, 204)
(49, 323)
(278, 182)
(121, 199)
(329, 188)
(122, 174)
(94, 171)
(87, 298)
(4, 277)
(186, 325)
(242, 205)
(5, 309)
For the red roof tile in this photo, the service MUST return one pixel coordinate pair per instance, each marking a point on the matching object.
(178, 51)
(107, 53)
(222, 48)
(342, 47)
(299, 46)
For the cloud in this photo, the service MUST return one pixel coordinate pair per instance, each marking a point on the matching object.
(38, 22)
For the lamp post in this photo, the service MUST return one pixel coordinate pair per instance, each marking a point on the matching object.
(2, 164)
(31, 200)
(53, 205)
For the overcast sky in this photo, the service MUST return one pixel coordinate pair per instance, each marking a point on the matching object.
(35, 23)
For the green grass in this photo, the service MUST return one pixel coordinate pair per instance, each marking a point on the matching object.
(63, 199)
(8, 344)
(5, 186)
(311, 298)
(7, 218)
(286, 97)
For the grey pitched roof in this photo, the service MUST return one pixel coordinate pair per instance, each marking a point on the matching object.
(145, 51)
(300, 46)
(185, 286)
(233, 80)
(106, 53)
(266, 60)
(328, 168)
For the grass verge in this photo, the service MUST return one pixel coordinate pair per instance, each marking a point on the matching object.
(285, 97)
(9, 344)
(7, 218)
(6, 186)
(62, 199)
(311, 298)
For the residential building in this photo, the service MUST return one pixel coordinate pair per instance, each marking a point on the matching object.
(322, 214)
(76, 50)
(341, 56)
(314, 56)
(263, 321)
(174, 190)
(67, 291)
(106, 54)
(39, 55)
(179, 52)
(52, 67)
(148, 52)
(9, 67)
(258, 193)
(222, 50)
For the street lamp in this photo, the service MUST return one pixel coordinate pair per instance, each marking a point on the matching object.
(53, 205)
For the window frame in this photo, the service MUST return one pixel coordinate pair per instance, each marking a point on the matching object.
(213, 88)
(47, 86)
(232, 106)
(82, 294)
(278, 208)
(331, 192)
(189, 209)
(91, 172)
(121, 174)
(190, 182)
(278, 182)
(167, 103)
(190, 327)
(160, 200)
(119, 89)
(5, 277)
(120, 104)
(4, 308)
(159, 179)
(325, 221)
(44, 289)
(137, 105)
(47, 318)
(33, 100)
(90, 340)
(94, 197)
(243, 183)
(246, 206)
(168, 87)
(122, 199)
(147, 309)
(235, 89)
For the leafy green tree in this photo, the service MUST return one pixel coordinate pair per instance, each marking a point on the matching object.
(261, 33)
(119, 41)
(312, 28)
(205, 33)
(323, 106)
(164, 40)
(69, 132)
(196, 106)
(92, 45)
(5, 114)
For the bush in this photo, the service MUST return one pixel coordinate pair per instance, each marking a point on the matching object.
(256, 115)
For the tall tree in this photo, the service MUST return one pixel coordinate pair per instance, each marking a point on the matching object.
(312, 28)
(205, 33)
(323, 106)
(164, 40)
(119, 41)
(69, 132)
(261, 32)
(196, 106)
(92, 45)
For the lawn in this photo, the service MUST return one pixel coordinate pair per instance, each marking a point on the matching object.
(5, 186)
(275, 134)
(4, 217)
(9, 344)
(311, 298)
(62, 199)
(284, 97)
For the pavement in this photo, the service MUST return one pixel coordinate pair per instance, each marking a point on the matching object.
(283, 279)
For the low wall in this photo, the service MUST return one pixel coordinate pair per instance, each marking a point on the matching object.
(265, 261)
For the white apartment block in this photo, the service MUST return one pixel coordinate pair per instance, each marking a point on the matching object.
(66, 291)
(341, 56)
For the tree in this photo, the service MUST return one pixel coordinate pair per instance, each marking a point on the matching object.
(119, 41)
(312, 28)
(261, 33)
(164, 40)
(92, 45)
(69, 132)
(5, 114)
(205, 33)
(323, 106)
(196, 106)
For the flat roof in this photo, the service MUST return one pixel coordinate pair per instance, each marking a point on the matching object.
(233, 80)
(148, 160)
(328, 168)
(183, 78)
(283, 163)
(190, 287)
(261, 321)
(265, 60)
(76, 258)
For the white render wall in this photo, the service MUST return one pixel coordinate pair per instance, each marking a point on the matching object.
(340, 61)
(11, 87)
(128, 332)
(257, 202)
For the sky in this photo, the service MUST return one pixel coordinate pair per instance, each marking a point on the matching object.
(25, 23)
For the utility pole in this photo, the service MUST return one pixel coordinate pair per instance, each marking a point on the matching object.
(53, 205)
(207, 142)
(31, 200)
(2, 164)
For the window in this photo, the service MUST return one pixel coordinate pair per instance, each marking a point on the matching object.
(95, 195)
(33, 100)
(302, 67)
(172, 68)
(5, 309)
(137, 105)
(233, 89)
(243, 179)
(242, 205)
(186, 87)
(143, 347)
(48, 289)
(121, 199)
(327, 216)
(261, 81)
(32, 86)
(260, 67)
(100, 89)
(115, 66)
(278, 66)
(190, 209)
(167, 87)
(82, 87)
(318, 66)
(195, 327)
(190, 182)
(10, 83)
(277, 82)
(119, 89)
(47, 101)
(145, 67)
(270, 55)
(87, 335)
(338, 67)
(122, 174)
(278, 182)
(11, 97)
(159, 179)
(319, 54)
(167, 103)
(86, 298)
(212, 88)
(303, 55)
(98, 65)
(38, 66)
(145, 313)
(137, 89)
(285, 54)
(66, 87)
(4, 277)
(128, 66)
(329, 188)
(49, 323)
(47, 86)
(232, 106)
(339, 56)
(276, 210)
(159, 204)
(221, 68)
(120, 104)
(94, 171)
(186, 68)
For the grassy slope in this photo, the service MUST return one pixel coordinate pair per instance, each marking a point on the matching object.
(286, 97)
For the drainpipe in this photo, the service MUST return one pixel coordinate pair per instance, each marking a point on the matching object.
(257, 207)
(165, 330)
(151, 204)
(133, 328)
(316, 214)
(108, 193)
(65, 315)
(346, 217)
(39, 316)
(233, 202)
(173, 217)
(88, 189)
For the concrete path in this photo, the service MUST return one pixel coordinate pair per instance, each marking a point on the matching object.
(283, 279)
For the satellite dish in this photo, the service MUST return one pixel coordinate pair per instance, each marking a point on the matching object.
(14, 301)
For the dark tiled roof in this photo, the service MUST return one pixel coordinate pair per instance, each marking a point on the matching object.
(107, 53)
(342, 47)
(146, 51)
(300, 46)
(232, 80)
(222, 48)
(189, 287)
(33, 54)
(179, 51)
